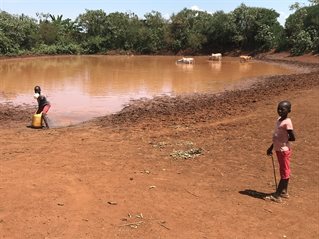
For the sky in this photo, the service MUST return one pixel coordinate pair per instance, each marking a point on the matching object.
(73, 8)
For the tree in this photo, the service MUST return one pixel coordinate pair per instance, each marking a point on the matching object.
(155, 33)
(313, 2)
(16, 33)
(302, 30)
(220, 32)
(186, 31)
(6, 45)
(92, 22)
(117, 31)
(92, 28)
(256, 28)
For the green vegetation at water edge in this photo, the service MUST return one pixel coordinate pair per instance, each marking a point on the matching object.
(186, 32)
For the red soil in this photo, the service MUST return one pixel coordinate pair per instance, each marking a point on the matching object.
(121, 176)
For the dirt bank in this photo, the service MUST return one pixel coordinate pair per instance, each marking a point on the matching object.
(186, 167)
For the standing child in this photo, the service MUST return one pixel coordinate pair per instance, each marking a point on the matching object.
(282, 135)
(43, 104)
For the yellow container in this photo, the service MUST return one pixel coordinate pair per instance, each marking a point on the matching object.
(37, 121)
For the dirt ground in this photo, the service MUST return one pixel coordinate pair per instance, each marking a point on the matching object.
(193, 166)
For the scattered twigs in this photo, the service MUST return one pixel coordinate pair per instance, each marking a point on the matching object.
(162, 224)
(191, 193)
(267, 210)
(133, 224)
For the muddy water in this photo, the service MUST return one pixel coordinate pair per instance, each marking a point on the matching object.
(82, 87)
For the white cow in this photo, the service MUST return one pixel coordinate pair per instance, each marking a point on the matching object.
(216, 57)
(186, 60)
(244, 58)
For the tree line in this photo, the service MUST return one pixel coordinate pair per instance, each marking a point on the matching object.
(189, 32)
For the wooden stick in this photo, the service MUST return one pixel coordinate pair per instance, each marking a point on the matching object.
(131, 224)
(164, 226)
(191, 193)
(273, 165)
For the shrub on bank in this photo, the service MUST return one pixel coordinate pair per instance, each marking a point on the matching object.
(71, 49)
(302, 43)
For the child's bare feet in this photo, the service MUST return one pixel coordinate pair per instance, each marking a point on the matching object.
(273, 198)
(284, 195)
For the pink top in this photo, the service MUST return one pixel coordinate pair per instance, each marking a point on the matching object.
(280, 136)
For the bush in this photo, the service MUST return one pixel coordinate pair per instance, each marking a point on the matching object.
(283, 44)
(93, 45)
(302, 43)
(316, 44)
(265, 39)
(69, 49)
(7, 46)
(314, 33)
(46, 50)
(58, 49)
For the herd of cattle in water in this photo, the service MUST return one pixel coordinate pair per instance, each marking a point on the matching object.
(213, 57)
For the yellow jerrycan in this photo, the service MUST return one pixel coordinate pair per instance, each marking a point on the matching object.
(37, 121)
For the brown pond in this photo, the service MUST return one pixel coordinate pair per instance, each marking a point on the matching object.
(83, 87)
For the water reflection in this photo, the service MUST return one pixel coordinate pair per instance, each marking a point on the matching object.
(216, 65)
(82, 87)
(245, 67)
(185, 67)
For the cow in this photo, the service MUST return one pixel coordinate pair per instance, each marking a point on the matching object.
(186, 60)
(216, 57)
(244, 58)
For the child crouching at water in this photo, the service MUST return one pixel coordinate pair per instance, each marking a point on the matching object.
(43, 104)
(282, 135)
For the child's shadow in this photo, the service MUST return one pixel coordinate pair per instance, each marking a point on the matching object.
(254, 193)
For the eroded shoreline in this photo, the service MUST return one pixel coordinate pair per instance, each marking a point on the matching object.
(213, 105)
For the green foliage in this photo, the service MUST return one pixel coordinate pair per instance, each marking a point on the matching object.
(264, 38)
(302, 30)
(153, 34)
(301, 43)
(283, 43)
(56, 30)
(313, 2)
(256, 28)
(122, 29)
(71, 49)
(48, 33)
(93, 45)
(220, 32)
(92, 22)
(316, 43)
(16, 32)
(6, 45)
(186, 32)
